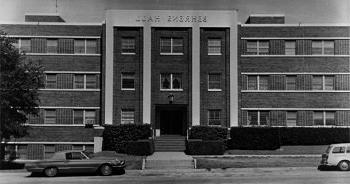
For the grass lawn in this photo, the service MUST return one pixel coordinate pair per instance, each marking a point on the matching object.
(284, 150)
(249, 162)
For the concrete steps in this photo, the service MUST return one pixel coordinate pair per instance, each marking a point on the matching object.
(167, 143)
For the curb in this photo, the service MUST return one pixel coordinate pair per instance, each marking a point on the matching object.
(233, 156)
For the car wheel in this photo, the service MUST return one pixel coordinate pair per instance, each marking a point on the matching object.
(51, 171)
(343, 165)
(105, 170)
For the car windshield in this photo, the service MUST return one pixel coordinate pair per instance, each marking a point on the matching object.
(88, 154)
(328, 149)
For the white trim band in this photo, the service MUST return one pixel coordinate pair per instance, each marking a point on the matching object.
(295, 38)
(60, 125)
(297, 25)
(295, 55)
(73, 72)
(294, 73)
(53, 36)
(299, 109)
(57, 54)
(35, 142)
(73, 90)
(295, 91)
(62, 107)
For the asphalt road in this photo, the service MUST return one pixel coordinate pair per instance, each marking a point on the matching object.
(245, 175)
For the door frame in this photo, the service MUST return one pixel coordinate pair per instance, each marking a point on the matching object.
(181, 107)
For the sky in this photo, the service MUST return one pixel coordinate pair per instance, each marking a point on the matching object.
(296, 11)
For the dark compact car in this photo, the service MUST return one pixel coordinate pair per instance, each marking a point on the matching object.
(75, 162)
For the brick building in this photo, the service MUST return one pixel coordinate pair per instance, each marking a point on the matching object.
(177, 69)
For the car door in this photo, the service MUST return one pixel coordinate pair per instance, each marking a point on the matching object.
(78, 163)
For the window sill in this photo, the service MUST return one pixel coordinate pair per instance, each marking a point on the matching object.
(295, 91)
(214, 90)
(128, 89)
(254, 55)
(171, 89)
(60, 125)
(128, 53)
(214, 54)
(48, 89)
(60, 54)
(171, 54)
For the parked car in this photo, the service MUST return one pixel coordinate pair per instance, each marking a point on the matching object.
(336, 155)
(75, 162)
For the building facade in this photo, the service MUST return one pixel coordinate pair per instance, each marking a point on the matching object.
(178, 69)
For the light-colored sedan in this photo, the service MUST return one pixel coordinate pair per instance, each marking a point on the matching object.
(75, 162)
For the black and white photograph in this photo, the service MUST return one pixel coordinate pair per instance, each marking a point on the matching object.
(174, 91)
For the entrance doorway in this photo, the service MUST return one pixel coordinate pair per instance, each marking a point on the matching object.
(171, 119)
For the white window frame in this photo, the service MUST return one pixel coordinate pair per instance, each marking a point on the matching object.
(295, 82)
(84, 82)
(324, 83)
(289, 48)
(47, 46)
(220, 119)
(127, 110)
(323, 46)
(259, 123)
(45, 110)
(214, 89)
(47, 80)
(171, 82)
(121, 46)
(84, 116)
(323, 118)
(296, 118)
(121, 81)
(257, 82)
(171, 47)
(214, 53)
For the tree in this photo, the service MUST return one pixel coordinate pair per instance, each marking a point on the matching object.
(19, 82)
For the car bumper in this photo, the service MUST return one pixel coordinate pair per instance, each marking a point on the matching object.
(121, 165)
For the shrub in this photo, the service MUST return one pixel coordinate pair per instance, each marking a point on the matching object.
(140, 147)
(10, 165)
(208, 133)
(116, 137)
(208, 147)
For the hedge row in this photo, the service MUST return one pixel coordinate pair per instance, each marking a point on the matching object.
(208, 133)
(208, 147)
(140, 147)
(274, 137)
(116, 137)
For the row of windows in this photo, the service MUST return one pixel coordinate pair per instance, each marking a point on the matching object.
(320, 118)
(262, 47)
(170, 46)
(318, 82)
(170, 81)
(78, 46)
(80, 81)
(80, 116)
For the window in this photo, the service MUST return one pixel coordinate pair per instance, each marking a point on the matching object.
(22, 151)
(317, 82)
(173, 46)
(75, 156)
(78, 81)
(252, 48)
(291, 118)
(214, 46)
(25, 45)
(52, 46)
(291, 82)
(330, 118)
(263, 47)
(263, 82)
(252, 82)
(171, 81)
(91, 82)
(128, 81)
(51, 81)
(252, 117)
(340, 149)
(214, 82)
(329, 82)
(289, 47)
(128, 116)
(50, 116)
(214, 117)
(264, 117)
(91, 46)
(79, 46)
(49, 151)
(84, 116)
(259, 47)
(322, 47)
(128, 46)
(318, 118)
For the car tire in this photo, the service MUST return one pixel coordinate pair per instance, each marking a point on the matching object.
(105, 170)
(51, 171)
(343, 165)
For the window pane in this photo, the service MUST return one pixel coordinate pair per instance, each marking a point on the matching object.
(177, 45)
(214, 117)
(338, 150)
(263, 82)
(264, 117)
(165, 45)
(252, 82)
(214, 81)
(252, 117)
(78, 81)
(78, 116)
(317, 83)
(51, 81)
(128, 45)
(165, 81)
(328, 47)
(291, 118)
(91, 82)
(127, 116)
(316, 47)
(50, 116)
(90, 116)
(289, 47)
(22, 151)
(79, 46)
(252, 47)
(263, 47)
(49, 151)
(25, 45)
(177, 81)
(91, 46)
(291, 82)
(51, 46)
(330, 116)
(214, 46)
(318, 118)
(329, 82)
(128, 81)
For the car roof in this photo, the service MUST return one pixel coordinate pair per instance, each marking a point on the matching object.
(341, 144)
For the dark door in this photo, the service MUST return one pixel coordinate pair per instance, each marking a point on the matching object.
(171, 121)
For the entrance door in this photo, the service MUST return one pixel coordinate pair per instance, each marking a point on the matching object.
(172, 119)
